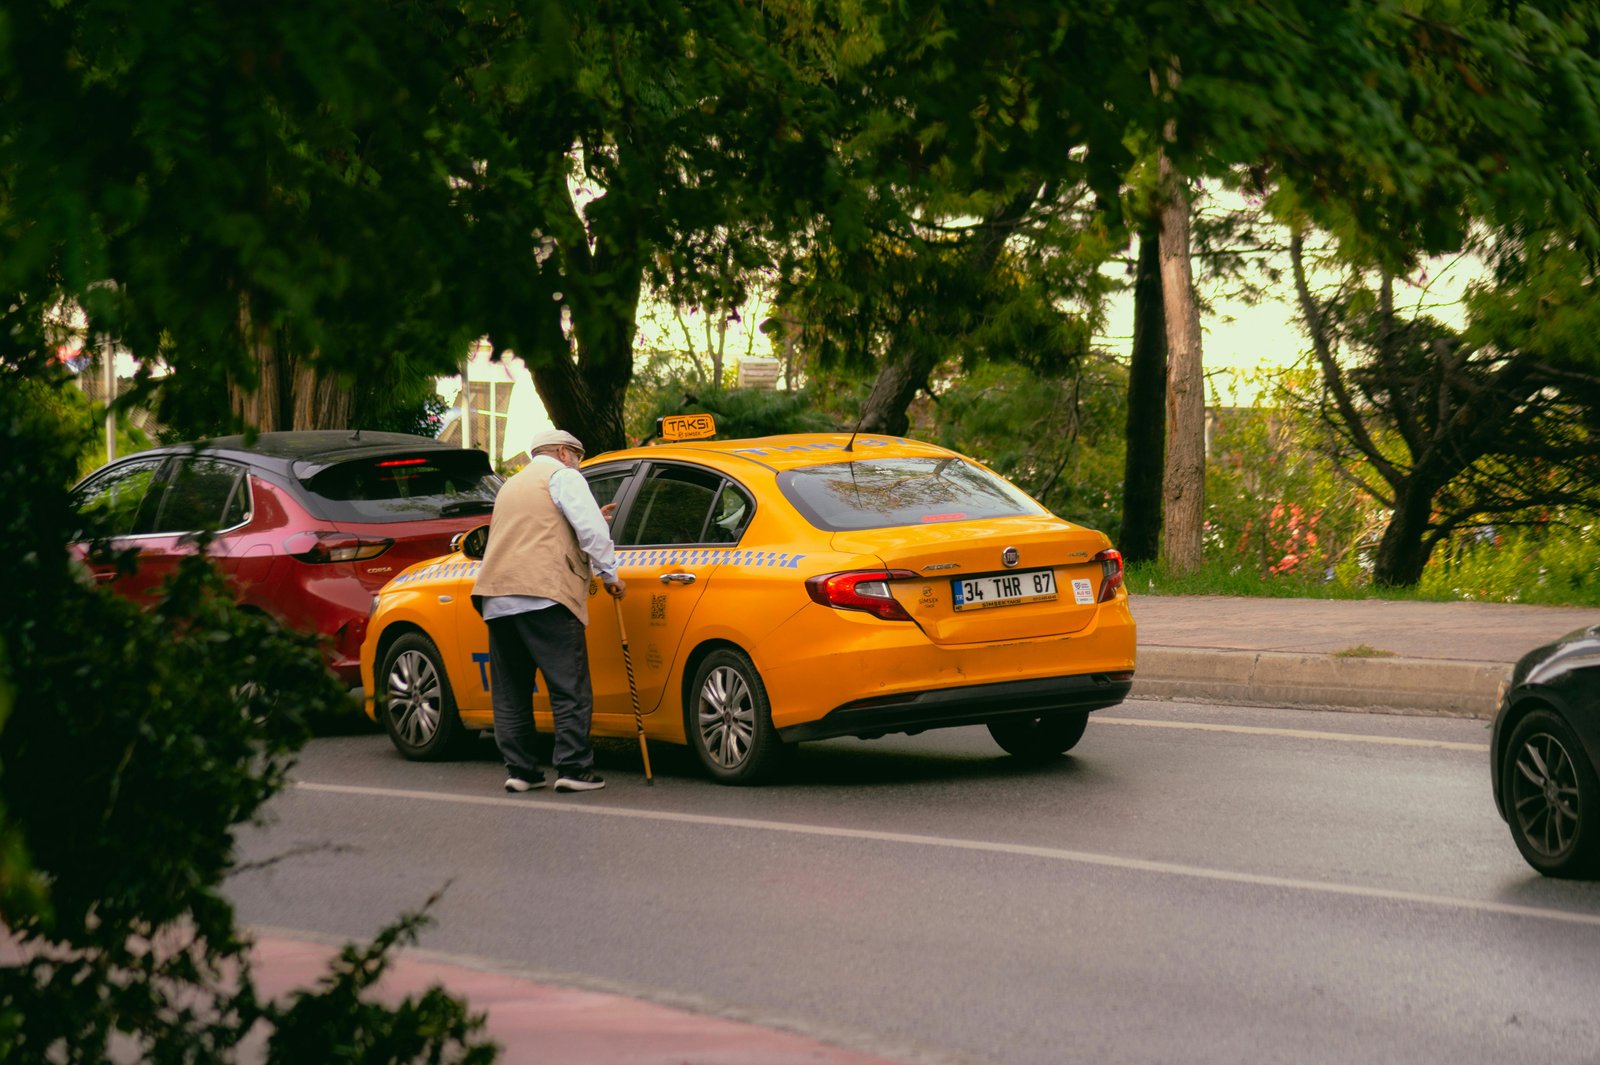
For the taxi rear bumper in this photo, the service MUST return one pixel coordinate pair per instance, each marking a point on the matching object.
(975, 704)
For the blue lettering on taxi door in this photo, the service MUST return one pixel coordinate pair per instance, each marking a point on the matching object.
(482, 658)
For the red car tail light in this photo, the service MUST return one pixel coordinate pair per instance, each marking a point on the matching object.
(1110, 573)
(325, 546)
(862, 589)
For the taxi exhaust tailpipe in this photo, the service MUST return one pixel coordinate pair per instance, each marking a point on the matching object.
(633, 691)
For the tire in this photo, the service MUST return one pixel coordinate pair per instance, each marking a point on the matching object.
(1037, 739)
(416, 704)
(1552, 797)
(729, 721)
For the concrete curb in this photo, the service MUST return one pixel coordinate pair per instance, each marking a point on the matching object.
(1439, 687)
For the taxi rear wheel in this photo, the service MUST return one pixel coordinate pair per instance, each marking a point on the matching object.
(419, 709)
(729, 720)
(1039, 738)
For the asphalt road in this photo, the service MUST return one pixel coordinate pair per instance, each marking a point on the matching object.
(1193, 884)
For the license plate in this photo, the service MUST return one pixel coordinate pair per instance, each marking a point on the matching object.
(1003, 589)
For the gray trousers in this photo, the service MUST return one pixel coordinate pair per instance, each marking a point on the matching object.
(552, 641)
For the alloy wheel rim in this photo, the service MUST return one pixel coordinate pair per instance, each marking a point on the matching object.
(414, 697)
(727, 717)
(1544, 795)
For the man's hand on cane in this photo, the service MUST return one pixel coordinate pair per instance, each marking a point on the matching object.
(616, 588)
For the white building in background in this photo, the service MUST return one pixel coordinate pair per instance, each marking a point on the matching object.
(505, 408)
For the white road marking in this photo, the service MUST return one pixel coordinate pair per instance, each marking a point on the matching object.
(1255, 730)
(1020, 850)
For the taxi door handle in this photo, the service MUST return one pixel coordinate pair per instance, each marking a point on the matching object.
(677, 578)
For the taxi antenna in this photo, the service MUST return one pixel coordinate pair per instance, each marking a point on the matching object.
(849, 445)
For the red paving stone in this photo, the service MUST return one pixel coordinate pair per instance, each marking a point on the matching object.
(537, 1023)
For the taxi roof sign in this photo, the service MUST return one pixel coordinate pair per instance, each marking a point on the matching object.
(673, 427)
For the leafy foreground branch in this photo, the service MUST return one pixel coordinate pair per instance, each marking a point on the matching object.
(133, 743)
(335, 1021)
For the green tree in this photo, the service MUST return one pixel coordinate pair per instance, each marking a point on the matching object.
(652, 148)
(1019, 284)
(142, 742)
(262, 198)
(221, 188)
(1496, 423)
(1056, 435)
(1395, 122)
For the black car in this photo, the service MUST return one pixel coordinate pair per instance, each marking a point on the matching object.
(1545, 750)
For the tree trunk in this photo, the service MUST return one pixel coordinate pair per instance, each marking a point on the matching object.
(320, 402)
(892, 392)
(1184, 495)
(791, 342)
(596, 276)
(1145, 463)
(584, 395)
(1404, 549)
(288, 392)
(593, 415)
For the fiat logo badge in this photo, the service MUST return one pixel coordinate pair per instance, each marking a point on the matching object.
(1010, 556)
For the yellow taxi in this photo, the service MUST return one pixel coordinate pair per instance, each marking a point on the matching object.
(792, 588)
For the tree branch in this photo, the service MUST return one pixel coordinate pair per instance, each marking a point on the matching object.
(1331, 373)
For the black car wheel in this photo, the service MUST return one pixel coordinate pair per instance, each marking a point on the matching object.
(1552, 797)
(418, 708)
(1041, 738)
(729, 720)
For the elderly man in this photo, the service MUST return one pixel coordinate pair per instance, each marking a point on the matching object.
(546, 534)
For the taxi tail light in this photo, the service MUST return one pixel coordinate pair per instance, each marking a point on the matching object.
(323, 546)
(1110, 573)
(862, 589)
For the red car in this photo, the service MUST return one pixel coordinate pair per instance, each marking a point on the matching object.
(309, 525)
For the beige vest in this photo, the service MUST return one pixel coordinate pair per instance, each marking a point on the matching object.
(532, 550)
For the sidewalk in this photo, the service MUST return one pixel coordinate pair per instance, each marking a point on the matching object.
(1378, 655)
(1373, 655)
(538, 1023)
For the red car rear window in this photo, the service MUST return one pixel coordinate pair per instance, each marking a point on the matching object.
(406, 487)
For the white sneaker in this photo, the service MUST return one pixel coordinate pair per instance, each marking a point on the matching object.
(580, 780)
(518, 784)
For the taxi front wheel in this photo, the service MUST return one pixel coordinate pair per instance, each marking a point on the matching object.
(729, 720)
(1039, 739)
(418, 707)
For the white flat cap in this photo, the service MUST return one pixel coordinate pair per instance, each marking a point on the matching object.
(555, 438)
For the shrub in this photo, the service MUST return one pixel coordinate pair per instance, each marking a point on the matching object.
(132, 744)
(1550, 563)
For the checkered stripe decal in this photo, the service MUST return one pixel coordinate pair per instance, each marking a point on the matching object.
(465, 567)
(632, 556)
(706, 556)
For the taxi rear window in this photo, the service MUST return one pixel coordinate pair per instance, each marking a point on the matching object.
(883, 493)
(406, 487)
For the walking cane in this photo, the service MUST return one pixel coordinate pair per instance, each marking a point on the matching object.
(633, 690)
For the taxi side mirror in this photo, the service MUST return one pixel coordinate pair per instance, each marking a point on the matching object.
(471, 543)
